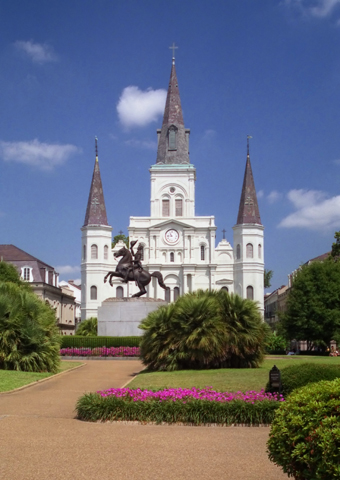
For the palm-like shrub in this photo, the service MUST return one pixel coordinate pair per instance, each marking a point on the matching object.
(29, 337)
(88, 328)
(204, 329)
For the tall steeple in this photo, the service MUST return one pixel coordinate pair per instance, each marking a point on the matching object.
(173, 141)
(248, 211)
(96, 210)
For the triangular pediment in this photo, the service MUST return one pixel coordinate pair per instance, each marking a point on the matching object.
(172, 221)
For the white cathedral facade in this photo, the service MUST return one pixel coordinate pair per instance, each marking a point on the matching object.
(175, 241)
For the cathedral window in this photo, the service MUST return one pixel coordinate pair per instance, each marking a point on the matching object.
(166, 207)
(225, 288)
(238, 252)
(94, 252)
(106, 252)
(260, 250)
(172, 137)
(250, 293)
(176, 293)
(142, 253)
(172, 257)
(179, 207)
(249, 250)
(84, 252)
(119, 292)
(93, 292)
(167, 295)
(202, 252)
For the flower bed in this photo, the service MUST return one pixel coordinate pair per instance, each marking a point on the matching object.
(193, 406)
(100, 352)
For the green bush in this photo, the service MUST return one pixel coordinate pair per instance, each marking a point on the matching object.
(92, 407)
(69, 341)
(297, 376)
(305, 434)
(88, 327)
(275, 344)
(29, 336)
(204, 329)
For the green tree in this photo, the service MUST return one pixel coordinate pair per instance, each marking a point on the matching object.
(204, 329)
(120, 237)
(29, 336)
(267, 278)
(88, 328)
(8, 273)
(313, 305)
(335, 252)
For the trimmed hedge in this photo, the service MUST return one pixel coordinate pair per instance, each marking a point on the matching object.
(305, 434)
(297, 376)
(92, 407)
(70, 341)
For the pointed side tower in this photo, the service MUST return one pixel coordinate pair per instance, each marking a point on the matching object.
(96, 248)
(173, 177)
(248, 242)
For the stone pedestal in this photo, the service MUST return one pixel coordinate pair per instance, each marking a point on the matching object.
(120, 317)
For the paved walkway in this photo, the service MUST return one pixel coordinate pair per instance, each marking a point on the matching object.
(40, 439)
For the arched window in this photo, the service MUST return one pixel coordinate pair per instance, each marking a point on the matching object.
(225, 288)
(250, 293)
(94, 252)
(260, 250)
(119, 292)
(202, 252)
(238, 251)
(167, 295)
(178, 207)
(166, 207)
(172, 257)
(93, 293)
(249, 250)
(176, 293)
(142, 253)
(106, 252)
(84, 252)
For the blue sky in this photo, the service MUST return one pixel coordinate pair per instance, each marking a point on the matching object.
(73, 70)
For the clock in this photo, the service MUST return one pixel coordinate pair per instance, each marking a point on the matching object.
(171, 236)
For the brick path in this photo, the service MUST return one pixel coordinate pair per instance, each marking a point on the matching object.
(40, 439)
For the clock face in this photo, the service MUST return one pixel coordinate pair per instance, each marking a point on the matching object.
(171, 236)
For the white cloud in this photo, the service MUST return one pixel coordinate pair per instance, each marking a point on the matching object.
(137, 108)
(44, 156)
(260, 194)
(209, 134)
(314, 210)
(148, 144)
(38, 52)
(314, 8)
(274, 196)
(67, 269)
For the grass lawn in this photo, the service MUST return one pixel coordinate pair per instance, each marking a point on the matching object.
(224, 379)
(10, 379)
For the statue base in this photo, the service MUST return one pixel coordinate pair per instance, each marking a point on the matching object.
(120, 317)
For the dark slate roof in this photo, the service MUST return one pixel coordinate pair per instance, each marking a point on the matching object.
(173, 116)
(248, 211)
(19, 258)
(96, 210)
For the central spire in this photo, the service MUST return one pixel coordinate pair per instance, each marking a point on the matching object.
(173, 137)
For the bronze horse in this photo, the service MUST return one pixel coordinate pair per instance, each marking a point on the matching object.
(140, 276)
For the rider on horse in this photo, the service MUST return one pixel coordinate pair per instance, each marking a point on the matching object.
(136, 263)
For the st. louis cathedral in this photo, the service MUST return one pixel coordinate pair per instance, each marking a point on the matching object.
(175, 241)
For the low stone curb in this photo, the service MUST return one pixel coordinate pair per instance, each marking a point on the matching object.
(40, 381)
(64, 357)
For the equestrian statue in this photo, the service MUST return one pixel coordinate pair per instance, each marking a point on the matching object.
(130, 269)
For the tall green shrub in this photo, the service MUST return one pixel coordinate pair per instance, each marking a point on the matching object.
(29, 337)
(305, 434)
(204, 329)
(88, 328)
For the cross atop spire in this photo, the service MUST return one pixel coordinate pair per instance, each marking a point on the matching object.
(96, 147)
(173, 48)
(248, 137)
